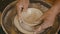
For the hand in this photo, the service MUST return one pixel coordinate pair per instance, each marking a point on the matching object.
(21, 5)
(49, 18)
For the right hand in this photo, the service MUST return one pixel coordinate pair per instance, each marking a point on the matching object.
(49, 18)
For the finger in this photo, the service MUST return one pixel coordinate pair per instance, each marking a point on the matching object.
(25, 5)
(38, 30)
(35, 33)
(19, 9)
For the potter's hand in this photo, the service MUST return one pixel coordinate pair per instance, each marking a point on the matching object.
(21, 5)
(49, 18)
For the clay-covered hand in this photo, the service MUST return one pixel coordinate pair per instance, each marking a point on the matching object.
(21, 5)
(49, 18)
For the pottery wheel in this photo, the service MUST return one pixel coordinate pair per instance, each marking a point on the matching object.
(11, 25)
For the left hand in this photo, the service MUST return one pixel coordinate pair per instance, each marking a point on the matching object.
(21, 4)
